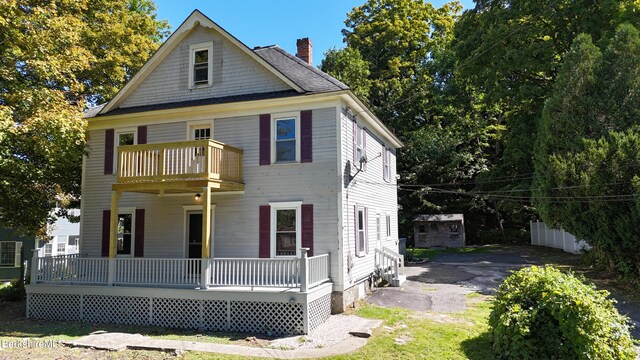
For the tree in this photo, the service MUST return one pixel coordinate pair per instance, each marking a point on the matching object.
(348, 66)
(588, 152)
(56, 58)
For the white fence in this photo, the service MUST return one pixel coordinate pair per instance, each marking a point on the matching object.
(304, 272)
(541, 235)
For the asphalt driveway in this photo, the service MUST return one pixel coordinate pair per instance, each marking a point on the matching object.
(441, 284)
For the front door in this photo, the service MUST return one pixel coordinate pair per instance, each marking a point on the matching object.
(194, 235)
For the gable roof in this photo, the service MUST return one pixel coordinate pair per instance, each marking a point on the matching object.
(439, 217)
(196, 18)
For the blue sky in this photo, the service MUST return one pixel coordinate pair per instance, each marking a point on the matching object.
(267, 22)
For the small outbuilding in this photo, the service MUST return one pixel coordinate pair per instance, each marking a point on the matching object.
(439, 230)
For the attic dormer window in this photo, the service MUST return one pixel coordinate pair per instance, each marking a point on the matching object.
(200, 65)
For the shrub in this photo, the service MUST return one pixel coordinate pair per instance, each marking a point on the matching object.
(542, 313)
(13, 292)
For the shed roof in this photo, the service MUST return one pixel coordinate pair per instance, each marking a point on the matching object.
(439, 217)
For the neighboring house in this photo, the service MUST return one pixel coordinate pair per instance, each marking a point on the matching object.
(11, 244)
(264, 145)
(65, 238)
(441, 230)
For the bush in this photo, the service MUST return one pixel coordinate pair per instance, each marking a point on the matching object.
(542, 313)
(13, 292)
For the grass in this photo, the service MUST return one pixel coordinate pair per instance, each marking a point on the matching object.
(421, 253)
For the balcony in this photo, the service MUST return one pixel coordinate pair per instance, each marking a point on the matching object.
(179, 167)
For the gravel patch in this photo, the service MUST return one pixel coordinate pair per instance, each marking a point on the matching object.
(332, 332)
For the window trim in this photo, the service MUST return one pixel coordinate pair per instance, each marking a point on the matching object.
(274, 121)
(365, 223)
(116, 142)
(388, 223)
(360, 131)
(386, 168)
(192, 51)
(285, 205)
(198, 124)
(128, 211)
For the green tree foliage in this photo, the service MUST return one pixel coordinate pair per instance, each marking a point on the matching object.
(56, 57)
(399, 58)
(512, 51)
(542, 313)
(588, 152)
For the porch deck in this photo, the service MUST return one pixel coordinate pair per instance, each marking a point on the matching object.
(279, 296)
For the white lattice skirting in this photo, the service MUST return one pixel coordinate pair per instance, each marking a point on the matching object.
(241, 311)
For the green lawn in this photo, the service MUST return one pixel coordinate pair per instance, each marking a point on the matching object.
(420, 253)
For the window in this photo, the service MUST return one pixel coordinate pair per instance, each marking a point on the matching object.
(48, 248)
(286, 140)
(73, 240)
(360, 144)
(286, 229)
(434, 226)
(125, 233)
(201, 133)
(201, 63)
(8, 253)
(454, 229)
(385, 164)
(123, 137)
(361, 230)
(388, 225)
(422, 229)
(61, 248)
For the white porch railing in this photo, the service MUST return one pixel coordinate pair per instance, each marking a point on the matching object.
(391, 266)
(255, 272)
(304, 273)
(70, 269)
(167, 272)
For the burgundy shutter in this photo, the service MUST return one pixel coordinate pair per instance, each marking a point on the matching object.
(264, 247)
(355, 213)
(265, 139)
(307, 227)
(138, 249)
(142, 134)
(305, 136)
(108, 151)
(106, 224)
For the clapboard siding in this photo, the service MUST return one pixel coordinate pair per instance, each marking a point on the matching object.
(367, 189)
(236, 215)
(234, 73)
(314, 183)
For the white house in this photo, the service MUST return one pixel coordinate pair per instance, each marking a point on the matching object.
(65, 238)
(296, 179)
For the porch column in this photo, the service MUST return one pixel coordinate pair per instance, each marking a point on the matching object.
(206, 235)
(113, 236)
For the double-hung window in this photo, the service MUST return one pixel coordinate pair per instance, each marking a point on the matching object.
(123, 137)
(48, 249)
(10, 253)
(200, 65)
(286, 228)
(360, 143)
(126, 221)
(286, 139)
(385, 164)
(388, 225)
(61, 248)
(361, 230)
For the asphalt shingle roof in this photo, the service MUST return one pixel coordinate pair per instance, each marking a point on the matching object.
(306, 76)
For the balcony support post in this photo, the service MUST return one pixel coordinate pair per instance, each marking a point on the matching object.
(206, 235)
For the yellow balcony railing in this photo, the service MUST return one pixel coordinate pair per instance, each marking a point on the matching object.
(179, 161)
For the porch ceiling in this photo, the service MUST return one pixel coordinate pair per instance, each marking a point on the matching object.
(178, 187)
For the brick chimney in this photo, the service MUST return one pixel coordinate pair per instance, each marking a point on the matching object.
(304, 50)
